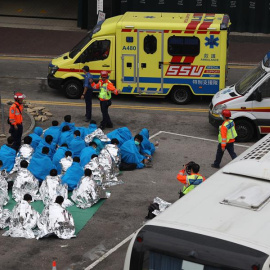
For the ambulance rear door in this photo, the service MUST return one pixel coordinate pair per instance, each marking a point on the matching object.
(150, 44)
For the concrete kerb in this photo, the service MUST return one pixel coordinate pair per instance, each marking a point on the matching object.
(32, 125)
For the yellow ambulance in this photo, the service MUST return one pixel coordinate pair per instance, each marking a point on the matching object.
(153, 54)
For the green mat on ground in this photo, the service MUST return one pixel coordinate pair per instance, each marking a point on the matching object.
(80, 216)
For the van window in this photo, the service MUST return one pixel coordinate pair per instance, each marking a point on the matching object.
(264, 88)
(179, 46)
(80, 45)
(98, 50)
(150, 44)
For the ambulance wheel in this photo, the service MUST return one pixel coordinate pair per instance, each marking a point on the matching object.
(181, 95)
(244, 129)
(73, 89)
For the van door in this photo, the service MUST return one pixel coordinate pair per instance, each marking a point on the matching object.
(99, 55)
(150, 44)
(261, 109)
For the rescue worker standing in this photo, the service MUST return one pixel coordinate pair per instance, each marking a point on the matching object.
(87, 93)
(106, 87)
(16, 119)
(226, 138)
(190, 177)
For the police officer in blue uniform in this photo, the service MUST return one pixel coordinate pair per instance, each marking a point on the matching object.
(87, 93)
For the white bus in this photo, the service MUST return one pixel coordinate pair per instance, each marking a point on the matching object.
(222, 224)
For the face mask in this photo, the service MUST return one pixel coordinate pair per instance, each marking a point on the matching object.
(137, 143)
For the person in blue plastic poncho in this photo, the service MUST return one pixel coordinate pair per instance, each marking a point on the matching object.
(91, 128)
(73, 174)
(130, 153)
(66, 135)
(8, 155)
(47, 142)
(54, 131)
(36, 137)
(40, 164)
(122, 134)
(77, 144)
(146, 146)
(67, 122)
(87, 153)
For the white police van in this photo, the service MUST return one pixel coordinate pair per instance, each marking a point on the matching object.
(249, 102)
(222, 224)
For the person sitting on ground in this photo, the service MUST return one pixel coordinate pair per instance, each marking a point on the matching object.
(87, 192)
(36, 137)
(47, 142)
(130, 154)
(25, 152)
(4, 198)
(54, 131)
(24, 183)
(147, 146)
(23, 219)
(67, 122)
(87, 153)
(91, 128)
(190, 177)
(41, 164)
(66, 136)
(51, 187)
(122, 134)
(56, 220)
(98, 172)
(59, 154)
(66, 162)
(109, 159)
(73, 174)
(8, 155)
(77, 144)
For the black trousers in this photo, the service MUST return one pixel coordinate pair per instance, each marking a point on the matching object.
(220, 153)
(17, 135)
(88, 103)
(106, 120)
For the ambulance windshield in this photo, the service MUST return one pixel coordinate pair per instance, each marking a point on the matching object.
(80, 45)
(246, 82)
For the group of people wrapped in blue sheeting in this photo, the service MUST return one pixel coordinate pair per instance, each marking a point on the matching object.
(69, 158)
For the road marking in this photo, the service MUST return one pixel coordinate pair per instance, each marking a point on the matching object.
(82, 104)
(42, 59)
(91, 266)
(200, 138)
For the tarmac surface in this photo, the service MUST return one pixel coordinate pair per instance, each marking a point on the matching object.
(50, 38)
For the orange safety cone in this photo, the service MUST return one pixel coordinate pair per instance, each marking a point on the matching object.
(54, 265)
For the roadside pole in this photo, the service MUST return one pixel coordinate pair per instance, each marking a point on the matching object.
(3, 118)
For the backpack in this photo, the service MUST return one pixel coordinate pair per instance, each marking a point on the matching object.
(152, 207)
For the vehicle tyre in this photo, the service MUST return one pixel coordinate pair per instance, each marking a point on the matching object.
(181, 95)
(244, 129)
(73, 89)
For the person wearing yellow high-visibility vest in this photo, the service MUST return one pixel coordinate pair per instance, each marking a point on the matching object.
(190, 177)
(106, 87)
(226, 139)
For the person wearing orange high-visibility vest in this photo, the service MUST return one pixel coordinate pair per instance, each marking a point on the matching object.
(106, 87)
(16, 119)
(226, 138)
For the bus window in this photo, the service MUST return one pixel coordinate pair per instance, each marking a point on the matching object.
(158, 261)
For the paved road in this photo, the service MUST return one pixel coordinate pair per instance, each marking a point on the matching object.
(188, 136)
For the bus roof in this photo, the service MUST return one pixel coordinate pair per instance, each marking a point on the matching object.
(232, 204)
(177, 21)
